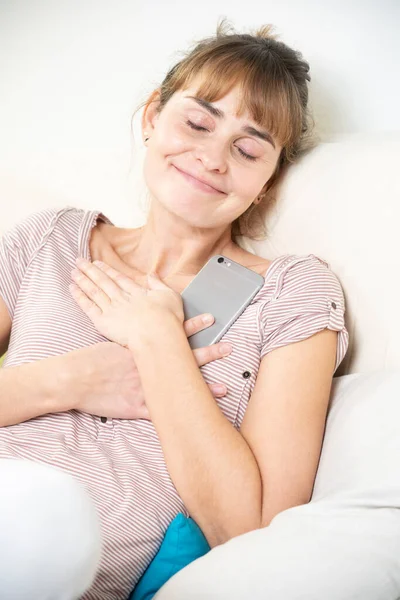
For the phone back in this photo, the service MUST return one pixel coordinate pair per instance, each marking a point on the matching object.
(223, 288)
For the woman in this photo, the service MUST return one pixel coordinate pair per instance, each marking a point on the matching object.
(100, 379)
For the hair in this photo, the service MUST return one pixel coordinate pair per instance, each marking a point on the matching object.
(273, 82)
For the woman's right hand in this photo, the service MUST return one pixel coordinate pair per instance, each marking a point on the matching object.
(107, 382)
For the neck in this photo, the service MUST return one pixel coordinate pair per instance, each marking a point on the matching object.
(171, 247)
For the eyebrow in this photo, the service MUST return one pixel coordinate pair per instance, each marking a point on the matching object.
(217, 112)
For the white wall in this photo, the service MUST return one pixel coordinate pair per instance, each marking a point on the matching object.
(72, 71)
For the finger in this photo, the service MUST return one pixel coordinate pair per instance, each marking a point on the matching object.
(101, 279)
(197, 323)
(155, 282)
(218, 389)
(86, 305)
(120, 279)
(142, 412)
(90, 289)
(210, 353)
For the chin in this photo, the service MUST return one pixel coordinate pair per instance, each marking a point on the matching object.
(193, 210)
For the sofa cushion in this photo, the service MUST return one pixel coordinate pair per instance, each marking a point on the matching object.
(345, 543)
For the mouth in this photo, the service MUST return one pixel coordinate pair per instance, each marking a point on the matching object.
(200, 185)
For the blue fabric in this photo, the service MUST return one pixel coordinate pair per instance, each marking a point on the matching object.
(183, 543)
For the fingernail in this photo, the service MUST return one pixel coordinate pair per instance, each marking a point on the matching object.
(225, 349)
(219, 389)
(207, 319)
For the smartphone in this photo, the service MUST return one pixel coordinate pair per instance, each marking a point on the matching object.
(223, 288)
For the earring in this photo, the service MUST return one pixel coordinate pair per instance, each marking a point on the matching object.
(259, 199)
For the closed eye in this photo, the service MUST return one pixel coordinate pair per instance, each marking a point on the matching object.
(247, 156)
(242, 152)
(196, 127)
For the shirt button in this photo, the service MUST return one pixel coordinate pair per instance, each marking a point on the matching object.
(103, 419)
(246, 374)
(333, 304)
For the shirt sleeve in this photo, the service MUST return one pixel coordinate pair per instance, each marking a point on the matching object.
(18, 247)
(307, 298)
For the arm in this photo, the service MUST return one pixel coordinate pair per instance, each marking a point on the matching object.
(235, 482)
(285, 420)
(209, 461)
(21, 395)
(51, 385)
(100, 379)
(34, 389)
(223, 482)
(28, 390)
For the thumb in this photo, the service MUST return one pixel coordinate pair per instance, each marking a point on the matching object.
(155, 282)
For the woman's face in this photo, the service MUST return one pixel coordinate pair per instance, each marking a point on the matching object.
(191, 140)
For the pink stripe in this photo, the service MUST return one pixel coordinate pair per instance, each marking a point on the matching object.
(121, 462)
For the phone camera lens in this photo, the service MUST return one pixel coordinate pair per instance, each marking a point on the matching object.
(220, 260)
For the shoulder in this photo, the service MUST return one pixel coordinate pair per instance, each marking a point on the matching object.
(33, 231)
(40, 223)
(303, 275)
(31, 225)
(303, 296)
(50, 217)
(300, 276)
(74, 218)
(26, 236)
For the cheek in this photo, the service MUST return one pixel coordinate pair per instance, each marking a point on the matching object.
(159, 154)
(247, 185)
(171, 139)
(254, 179)
(166, 145)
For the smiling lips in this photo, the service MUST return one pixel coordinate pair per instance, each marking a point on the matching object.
(198, 184)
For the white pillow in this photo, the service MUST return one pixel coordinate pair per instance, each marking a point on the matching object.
(345, 543)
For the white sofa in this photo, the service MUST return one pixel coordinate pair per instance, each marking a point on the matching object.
(342, 203)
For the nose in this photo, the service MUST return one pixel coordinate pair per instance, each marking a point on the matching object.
(213, 155)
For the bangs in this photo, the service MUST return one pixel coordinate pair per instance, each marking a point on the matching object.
(266, 91)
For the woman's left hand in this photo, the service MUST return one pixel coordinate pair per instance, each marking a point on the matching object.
(115, 304)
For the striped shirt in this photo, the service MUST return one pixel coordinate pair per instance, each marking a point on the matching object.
(120, 462)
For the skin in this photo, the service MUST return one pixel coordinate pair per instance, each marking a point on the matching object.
(186, 225)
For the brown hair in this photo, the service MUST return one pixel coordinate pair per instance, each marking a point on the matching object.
(273, 80)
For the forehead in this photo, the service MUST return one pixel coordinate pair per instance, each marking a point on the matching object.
(229, 103)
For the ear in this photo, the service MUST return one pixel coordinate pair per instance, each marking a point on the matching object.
(150, 114)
